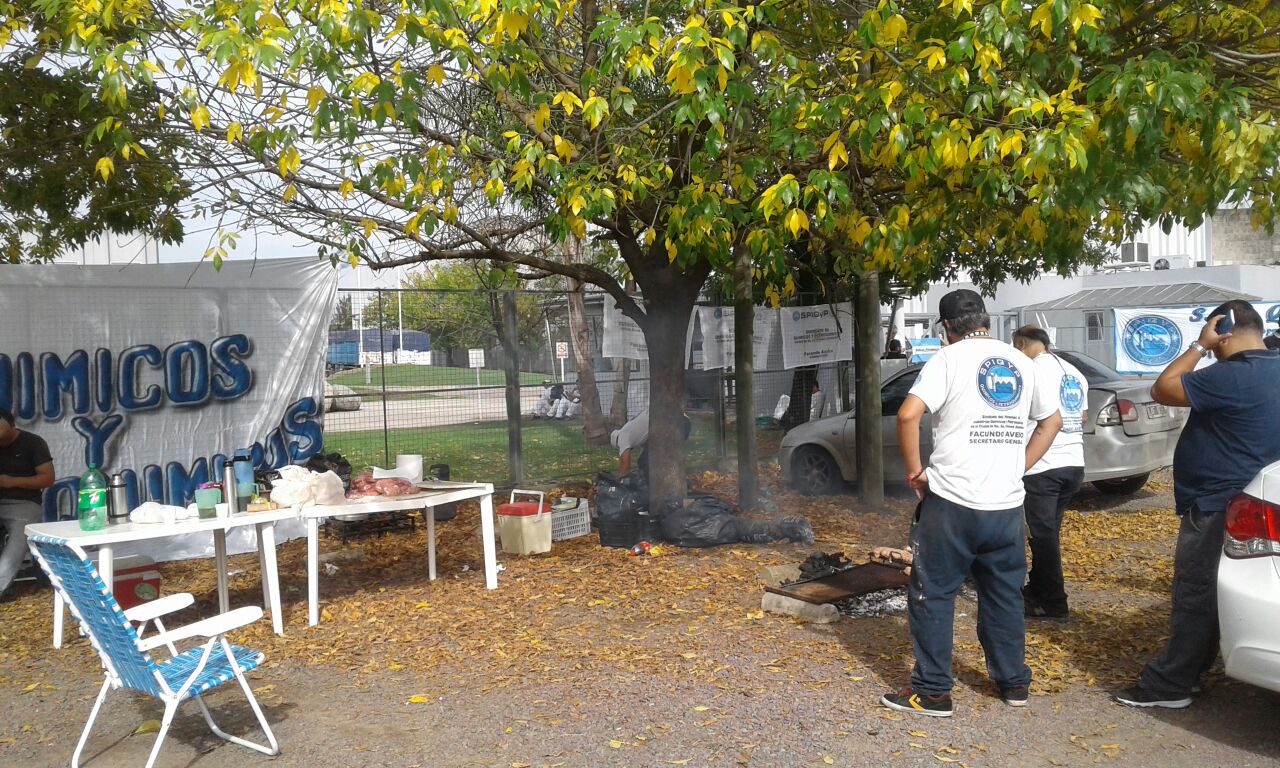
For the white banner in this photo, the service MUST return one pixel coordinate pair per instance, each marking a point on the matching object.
(622, 336)
(1148, 339)
(718, 336)
(161, 372)
(811, 335)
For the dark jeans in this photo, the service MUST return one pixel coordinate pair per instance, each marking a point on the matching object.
(1193, 626)
(950, 541)
(1048, 494)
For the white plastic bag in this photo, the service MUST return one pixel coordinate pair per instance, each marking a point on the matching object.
(780, 410)
(294, 487)
(327, 489)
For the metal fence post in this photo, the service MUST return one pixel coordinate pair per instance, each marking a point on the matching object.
(382, 368)
(511, 343)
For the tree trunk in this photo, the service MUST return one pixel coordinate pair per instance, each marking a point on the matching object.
(507, 334)
(621, 385)
(594, 429)
(866, 347)
(743, 376)
(667, 309)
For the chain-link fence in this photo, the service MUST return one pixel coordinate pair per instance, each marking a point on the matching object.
(425, 371)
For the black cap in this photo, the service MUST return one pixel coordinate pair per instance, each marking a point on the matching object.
(960, 302)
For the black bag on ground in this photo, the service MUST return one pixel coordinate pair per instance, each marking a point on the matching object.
(709, 521)
(619, 497)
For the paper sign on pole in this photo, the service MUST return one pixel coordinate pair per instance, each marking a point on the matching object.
(812, 335)
(717, 324)
(622, 336)
(475, 358)
(1148, 339)
(562, 350)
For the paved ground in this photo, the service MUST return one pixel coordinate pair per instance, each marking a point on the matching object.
(590, 658)
(439, 410)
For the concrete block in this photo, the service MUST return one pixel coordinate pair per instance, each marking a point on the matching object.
(789, 606)
(777, 574)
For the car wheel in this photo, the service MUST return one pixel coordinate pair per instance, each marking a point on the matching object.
(1122, 486)
(814, 472)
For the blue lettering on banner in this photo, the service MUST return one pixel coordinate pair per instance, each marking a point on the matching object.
(233, 377)
(1198, 314)
(999, 383)
(105, 384)
(26, 386)
(186, 373)
(96, 437)
(71, 376)
(1152, 340)
(127, 392)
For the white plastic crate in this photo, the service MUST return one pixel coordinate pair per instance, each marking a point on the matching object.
(570, 522)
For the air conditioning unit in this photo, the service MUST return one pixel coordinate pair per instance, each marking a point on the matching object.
(1134, 253)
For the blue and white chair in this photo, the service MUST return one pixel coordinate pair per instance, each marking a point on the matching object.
(125, 653)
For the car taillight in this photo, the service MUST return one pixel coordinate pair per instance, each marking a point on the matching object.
(1253, 528)
(1117, 413)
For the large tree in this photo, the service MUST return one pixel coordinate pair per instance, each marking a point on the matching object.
(909, 138)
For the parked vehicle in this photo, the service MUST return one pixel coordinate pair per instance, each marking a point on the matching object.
(1249, 583)
(1126, 438)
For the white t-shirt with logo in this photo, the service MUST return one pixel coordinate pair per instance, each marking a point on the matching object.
(982, 393)
(1073, 400)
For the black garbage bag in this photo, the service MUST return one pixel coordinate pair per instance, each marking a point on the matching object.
(619, 498)
(709, 521)
(332, 462)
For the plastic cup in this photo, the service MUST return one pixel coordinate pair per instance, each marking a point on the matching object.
(207, 500)
(244, 495)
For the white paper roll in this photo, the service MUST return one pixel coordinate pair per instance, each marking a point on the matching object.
(410, 467)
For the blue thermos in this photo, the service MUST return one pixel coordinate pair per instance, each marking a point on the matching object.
(243, 466)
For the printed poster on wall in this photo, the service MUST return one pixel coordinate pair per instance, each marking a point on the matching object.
(1148, 339)
(718, 336)
(161, 372)
(818, 334)
(622, 336)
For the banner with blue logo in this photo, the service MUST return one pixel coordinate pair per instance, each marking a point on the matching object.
(161, 372)
(716, 324)
(1148, 339)
(822, 333)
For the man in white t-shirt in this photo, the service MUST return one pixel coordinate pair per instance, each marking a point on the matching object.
(1054, 480)
(982, 394)
(633, 436)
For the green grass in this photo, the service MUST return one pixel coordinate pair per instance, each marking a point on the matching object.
(427, 376)
(552, 449)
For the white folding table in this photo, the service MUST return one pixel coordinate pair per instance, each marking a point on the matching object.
(434, 494)
(107, 538)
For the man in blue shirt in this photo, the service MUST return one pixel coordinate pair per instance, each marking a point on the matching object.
(1230, 436)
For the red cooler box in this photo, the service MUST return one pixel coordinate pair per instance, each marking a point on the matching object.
(136, 581)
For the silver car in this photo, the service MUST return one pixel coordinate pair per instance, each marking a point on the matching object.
(1126, 438)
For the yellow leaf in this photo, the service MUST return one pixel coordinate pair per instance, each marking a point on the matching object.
(369, 225)
(235, 132)
(150, 726)
(894, 27)
(1043, 16)
(346, 188)
(290, 193)
(797, 220)
(1085, 14)
(519, 765)
(701, 709)
(838, 154)
(568, 100)
(934, 57)
(423, 604)
(1110, 746)
(689, 655)
(419, 700)
(615, 744)
(105, 167)
(918, 734)
(435, 73)
(31, 688)
(8, 741)
(829, 760)
(315, 95)
(199, 117)
(892, 90)
(685, 761)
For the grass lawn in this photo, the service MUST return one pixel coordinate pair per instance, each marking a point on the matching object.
(552, 449)
(426, 376)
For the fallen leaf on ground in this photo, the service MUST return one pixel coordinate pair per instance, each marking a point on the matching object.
(419, 699)
(829, 760)
(150, 726)
(615, 744)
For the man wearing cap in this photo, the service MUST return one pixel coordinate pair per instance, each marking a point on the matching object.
(982, 393)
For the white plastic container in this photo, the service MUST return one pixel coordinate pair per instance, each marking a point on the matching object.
(570, 519)
(525, 527)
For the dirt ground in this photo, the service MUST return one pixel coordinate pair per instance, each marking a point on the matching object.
(588, 657)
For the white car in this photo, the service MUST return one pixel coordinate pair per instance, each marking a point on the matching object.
(1249, 583)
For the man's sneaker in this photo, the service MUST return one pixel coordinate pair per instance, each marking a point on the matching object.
(1137, 696)
(1017, 696)
(908, 700)
(1034, 609)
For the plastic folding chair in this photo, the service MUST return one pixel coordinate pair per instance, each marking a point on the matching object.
(125, 653)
